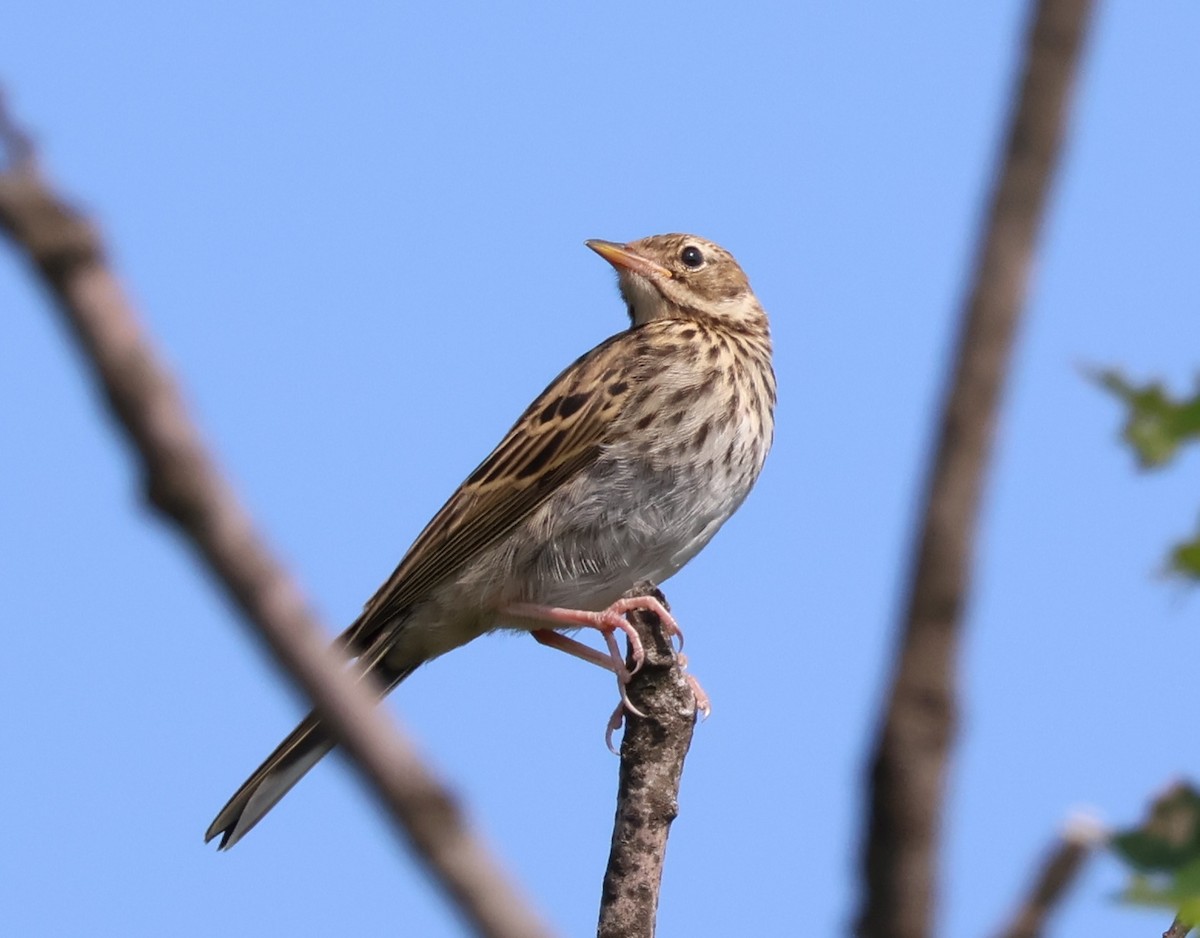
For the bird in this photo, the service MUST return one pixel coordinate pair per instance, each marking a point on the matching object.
(617, 474)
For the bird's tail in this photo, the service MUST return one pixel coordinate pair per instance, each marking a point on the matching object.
(283, 768)
(304, 747)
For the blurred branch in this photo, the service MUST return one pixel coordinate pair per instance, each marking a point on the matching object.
(183, 483)
(652, 754)
(1057, 875)
(908, 765)
(1179, 929)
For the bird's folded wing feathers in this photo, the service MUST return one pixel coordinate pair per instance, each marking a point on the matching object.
(560, 434)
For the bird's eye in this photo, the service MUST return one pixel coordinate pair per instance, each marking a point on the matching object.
(691, 257)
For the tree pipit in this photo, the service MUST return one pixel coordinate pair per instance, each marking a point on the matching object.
(619, 473)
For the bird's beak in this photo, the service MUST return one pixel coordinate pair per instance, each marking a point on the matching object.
(622, 258)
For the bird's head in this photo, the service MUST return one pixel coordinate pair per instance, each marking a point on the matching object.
(680, 276)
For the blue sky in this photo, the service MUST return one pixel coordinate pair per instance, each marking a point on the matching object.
(357, 234)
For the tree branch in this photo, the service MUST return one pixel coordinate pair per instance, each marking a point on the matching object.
(652, 754)
(909, 762)
(183, 483)
(1179, 929)
(1059, 870)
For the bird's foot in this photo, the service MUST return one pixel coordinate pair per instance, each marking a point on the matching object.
(703, 705)
(613, 661)
(607, 622)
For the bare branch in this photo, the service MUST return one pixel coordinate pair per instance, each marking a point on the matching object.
(652, 755)
(182, 481)
(909, 762)
(1059, 870)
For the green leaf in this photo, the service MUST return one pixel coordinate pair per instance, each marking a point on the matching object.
(1164, 854)
(1156, 425)
(1155, 891)
(1169, 839)
(1185, 559)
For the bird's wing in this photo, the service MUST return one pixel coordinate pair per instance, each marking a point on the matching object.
(561, 433)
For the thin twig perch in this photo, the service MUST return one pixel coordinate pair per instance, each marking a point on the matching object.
(652, 754)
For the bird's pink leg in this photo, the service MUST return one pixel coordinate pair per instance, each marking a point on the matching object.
(607, 622)
(553, 639)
